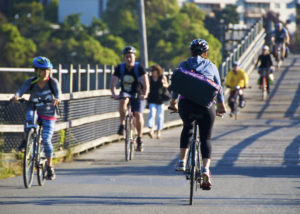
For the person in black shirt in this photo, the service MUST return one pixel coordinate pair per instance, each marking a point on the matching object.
(158, 84)
(134, 89)
(266, 62)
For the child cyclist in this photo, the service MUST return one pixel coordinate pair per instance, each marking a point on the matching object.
(45, 88)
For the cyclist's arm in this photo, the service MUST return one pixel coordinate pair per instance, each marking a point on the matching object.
(22, 90)
(287, 37)
(146, 85)
(57, 92)
(113, 83)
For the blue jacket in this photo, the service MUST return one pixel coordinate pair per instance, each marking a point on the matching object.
(206, 68)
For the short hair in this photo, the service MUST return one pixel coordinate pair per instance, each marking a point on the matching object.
(157, 68)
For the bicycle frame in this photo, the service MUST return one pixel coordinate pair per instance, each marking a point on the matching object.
(265, 86)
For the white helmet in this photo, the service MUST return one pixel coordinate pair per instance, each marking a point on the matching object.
(265, 47)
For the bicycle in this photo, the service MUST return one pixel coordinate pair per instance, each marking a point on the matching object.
(129, 133)
(193, 166)
(278, 55)
(33, 155)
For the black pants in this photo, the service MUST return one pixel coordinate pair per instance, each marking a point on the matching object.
(206, 118)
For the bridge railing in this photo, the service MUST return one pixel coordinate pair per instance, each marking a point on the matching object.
(250, 45)
(89, 117)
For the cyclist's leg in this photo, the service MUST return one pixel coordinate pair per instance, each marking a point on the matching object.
(283, 49)
(138, 107)
(47, 133)
(205, 130)
(241, 98)
(122, 109)
(28, 121)
(185, 108)
(231, 101)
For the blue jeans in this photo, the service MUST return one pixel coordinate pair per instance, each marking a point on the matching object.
(47, 132)
(156, 112)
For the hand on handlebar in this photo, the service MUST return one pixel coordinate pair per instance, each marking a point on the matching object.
(221, 110)
(14, 99)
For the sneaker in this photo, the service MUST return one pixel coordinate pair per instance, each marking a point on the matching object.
(22, 146)
(50, 173)
(140, 147)
(180, 166)
(206, 179)
(121, 130)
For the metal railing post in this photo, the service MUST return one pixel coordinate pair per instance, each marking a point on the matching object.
(79, 77)
(96, 77)
(71, 79)
(59, 75)
(104, 77)
(88, 77)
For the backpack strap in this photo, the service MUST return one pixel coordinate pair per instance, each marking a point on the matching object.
(50, 84)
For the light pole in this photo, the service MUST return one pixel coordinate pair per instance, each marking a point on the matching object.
(143, 35)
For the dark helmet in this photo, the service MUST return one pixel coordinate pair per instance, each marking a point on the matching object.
(129, 49)
(41, 62)
(199, 46)
(278, 25)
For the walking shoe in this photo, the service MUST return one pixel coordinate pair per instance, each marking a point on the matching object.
(50, 173)
(22, 146)
(140, 147)
(206, 179)
(180, 166)
(121, 130)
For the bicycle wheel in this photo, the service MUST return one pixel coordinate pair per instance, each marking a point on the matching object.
(264, 88)
(131, 150)
(192, 178)
(127, 138)
(41, 166)
(29, 158)
(198, 168)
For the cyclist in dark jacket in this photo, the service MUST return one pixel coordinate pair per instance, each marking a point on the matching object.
(199, 64)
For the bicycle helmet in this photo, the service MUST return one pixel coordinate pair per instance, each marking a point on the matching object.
(129, 49)
(41, 62)
(199, 46)
(235, 63)
(278, 25)
(265, 47)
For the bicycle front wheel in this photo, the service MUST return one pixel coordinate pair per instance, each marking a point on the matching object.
(192, 171)
(127, 138)
(41, 166)
(29, 158)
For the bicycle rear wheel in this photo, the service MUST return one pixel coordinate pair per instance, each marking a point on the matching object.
(127, 138)
(29, 158)
(193, 172)
(41, 166)
(132, 150)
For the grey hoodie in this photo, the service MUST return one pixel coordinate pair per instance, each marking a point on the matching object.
(44, 94)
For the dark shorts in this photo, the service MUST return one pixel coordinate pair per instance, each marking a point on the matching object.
(136, 104)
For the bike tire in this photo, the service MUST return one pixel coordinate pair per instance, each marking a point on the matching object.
(192, 178)
(29, 159)
(264, 88)
(41, 167)
(132, 150)
(127, 138)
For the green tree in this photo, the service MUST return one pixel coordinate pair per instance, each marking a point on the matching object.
(16, 51)
(51, 11)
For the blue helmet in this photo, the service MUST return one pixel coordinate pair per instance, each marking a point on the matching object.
(199, 46)
(41, 62)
